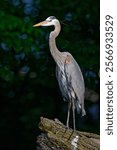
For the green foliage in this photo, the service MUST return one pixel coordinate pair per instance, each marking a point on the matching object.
(6, 74)
(17, 37)
(28, 86)
(17, 34)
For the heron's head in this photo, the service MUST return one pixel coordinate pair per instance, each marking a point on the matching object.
(48, 22)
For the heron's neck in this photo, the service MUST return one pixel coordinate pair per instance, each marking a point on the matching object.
(57, 55)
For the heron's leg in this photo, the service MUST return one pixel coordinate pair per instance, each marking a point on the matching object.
(68, 114)
(73, 109)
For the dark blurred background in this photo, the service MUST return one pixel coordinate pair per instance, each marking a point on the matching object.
(28, 86)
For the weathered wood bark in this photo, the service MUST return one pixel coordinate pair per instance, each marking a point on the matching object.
(57, 137)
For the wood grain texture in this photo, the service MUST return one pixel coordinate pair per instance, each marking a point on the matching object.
(57, 137)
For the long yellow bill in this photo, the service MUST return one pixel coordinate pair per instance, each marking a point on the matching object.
(40, 24)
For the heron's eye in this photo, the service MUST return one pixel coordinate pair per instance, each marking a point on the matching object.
(50, 20)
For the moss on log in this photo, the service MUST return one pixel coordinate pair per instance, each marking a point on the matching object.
(57, 137)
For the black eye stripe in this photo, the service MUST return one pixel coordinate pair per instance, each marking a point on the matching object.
(51, 18)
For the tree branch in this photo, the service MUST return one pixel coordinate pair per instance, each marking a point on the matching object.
(57, 137)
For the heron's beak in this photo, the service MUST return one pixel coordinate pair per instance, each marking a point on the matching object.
(41, 23)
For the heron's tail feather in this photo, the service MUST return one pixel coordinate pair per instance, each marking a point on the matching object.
(83, 112)
(80, 109)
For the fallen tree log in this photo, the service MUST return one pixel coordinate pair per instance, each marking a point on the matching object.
(57, 137)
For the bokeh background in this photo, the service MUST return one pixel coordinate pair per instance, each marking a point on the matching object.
(28, 86)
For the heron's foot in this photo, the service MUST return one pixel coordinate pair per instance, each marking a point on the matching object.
(74, 128)
(67, 125)
(72, 131)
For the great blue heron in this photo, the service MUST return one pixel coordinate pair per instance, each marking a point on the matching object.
(68, 72)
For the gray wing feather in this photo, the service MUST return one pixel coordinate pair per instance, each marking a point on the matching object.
(70, 79)
(74, 75)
